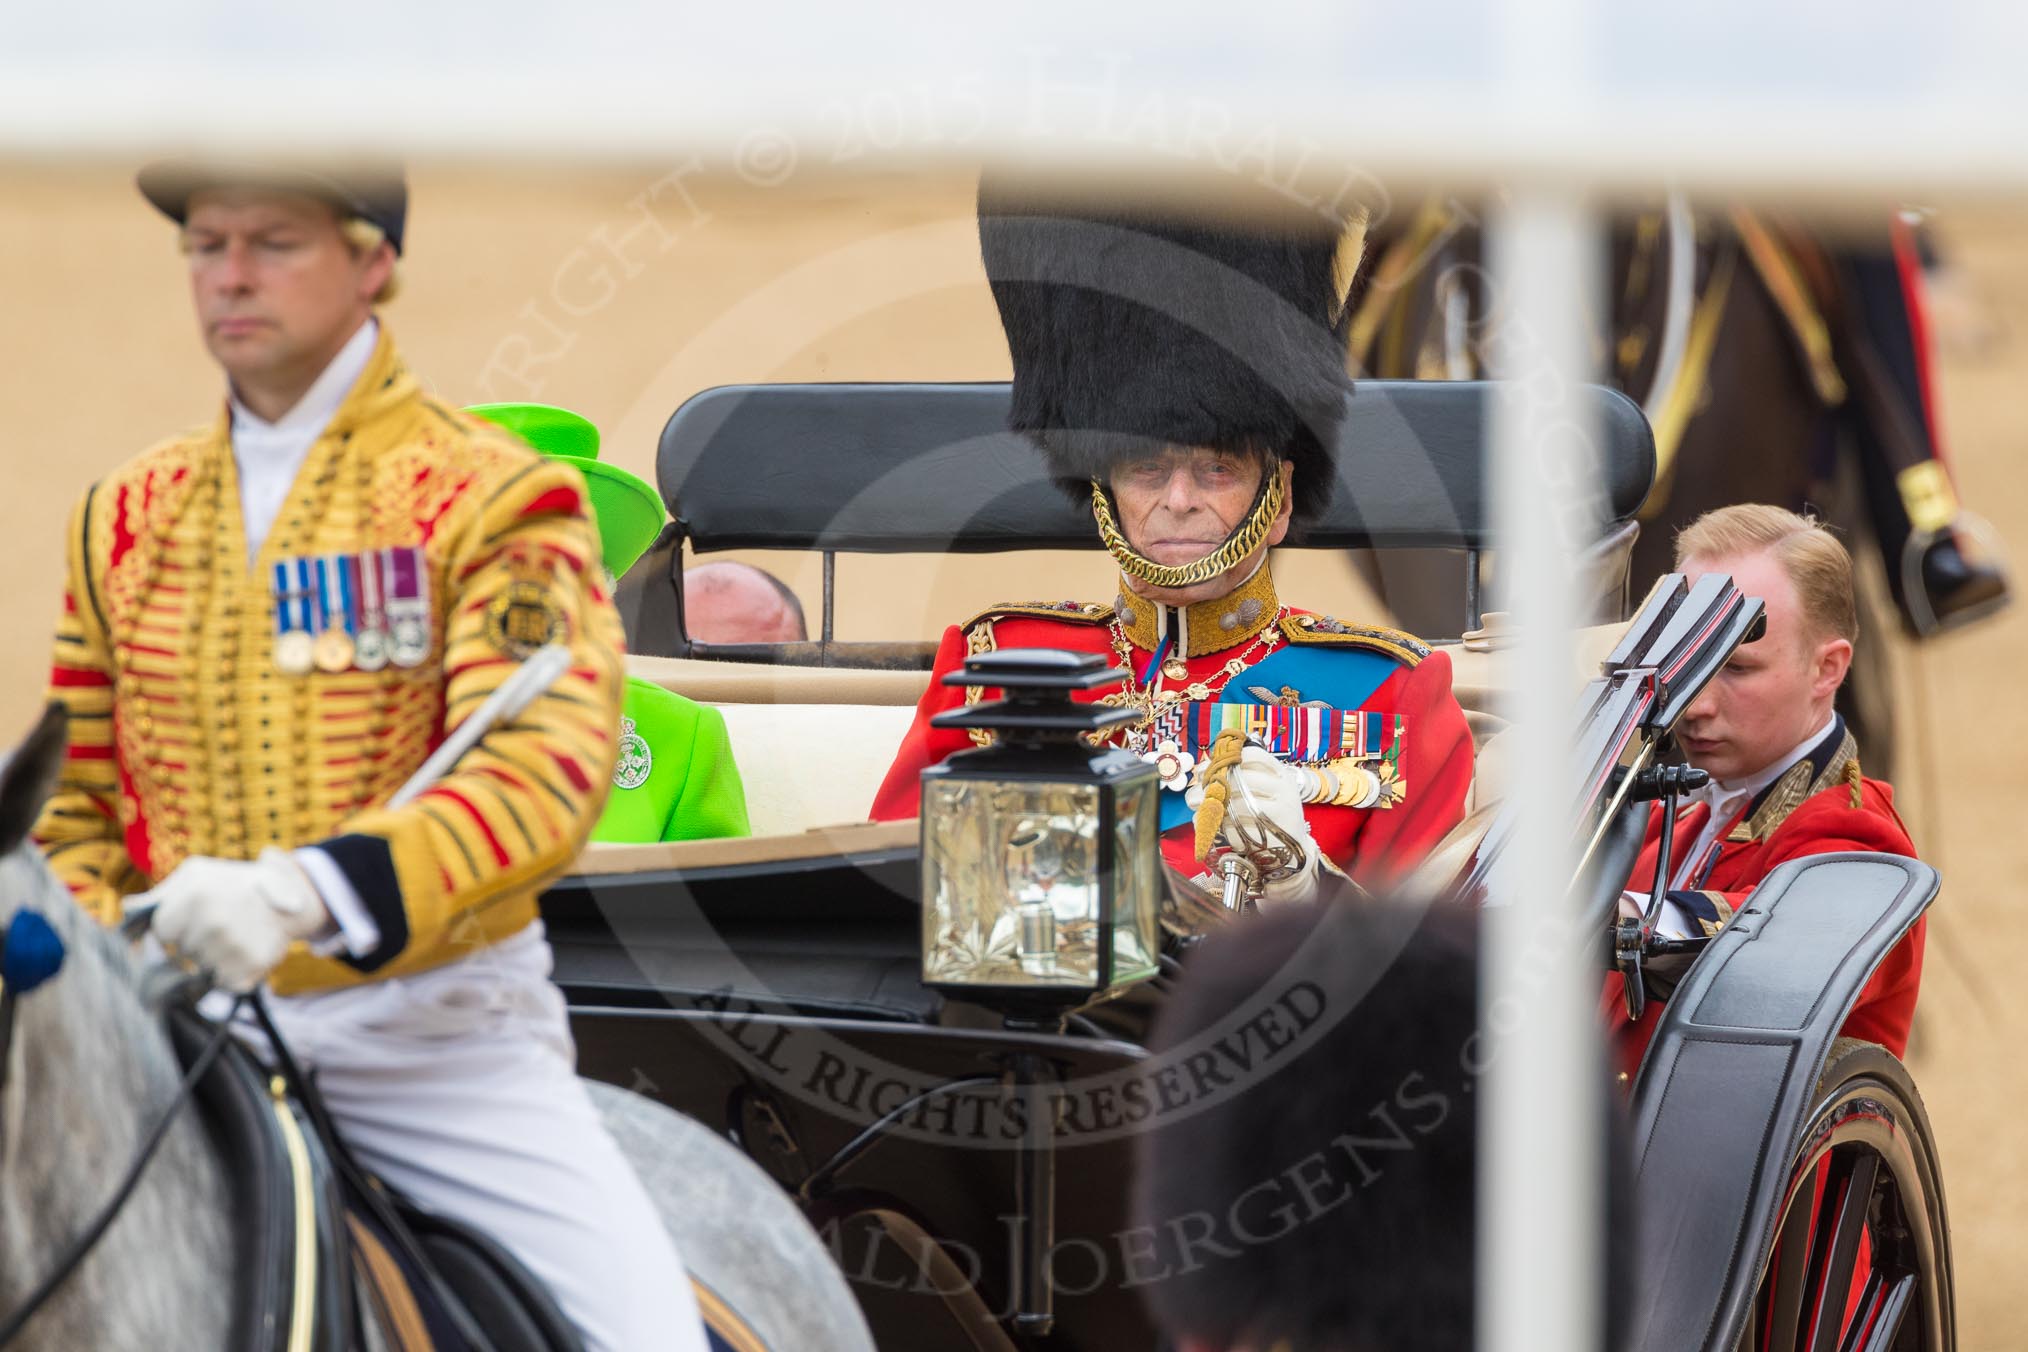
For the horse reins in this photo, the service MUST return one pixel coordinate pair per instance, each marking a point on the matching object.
(75, 1253)
(6, 1032)
(514, 694)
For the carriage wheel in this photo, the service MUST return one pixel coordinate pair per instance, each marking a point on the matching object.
(1861, 1260)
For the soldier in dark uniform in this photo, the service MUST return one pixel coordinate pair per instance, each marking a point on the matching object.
(1896, 432)
(1187, 379)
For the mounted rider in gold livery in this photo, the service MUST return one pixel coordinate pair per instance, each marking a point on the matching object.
(270, 624)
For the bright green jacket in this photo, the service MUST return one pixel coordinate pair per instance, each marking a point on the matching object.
(675, 779)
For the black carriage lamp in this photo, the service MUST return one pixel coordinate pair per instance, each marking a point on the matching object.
(1040, 870)
(1040, 851)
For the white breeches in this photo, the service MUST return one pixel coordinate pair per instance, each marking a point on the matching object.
(457, 1086)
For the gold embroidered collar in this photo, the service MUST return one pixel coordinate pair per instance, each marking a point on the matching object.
(1801, 782)
(1205, 626)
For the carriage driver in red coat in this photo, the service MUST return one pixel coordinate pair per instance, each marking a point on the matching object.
(1785, 779)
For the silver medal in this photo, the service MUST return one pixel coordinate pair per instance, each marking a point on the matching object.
(636, 761)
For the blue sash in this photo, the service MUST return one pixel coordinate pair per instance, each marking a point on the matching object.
(1344, 678)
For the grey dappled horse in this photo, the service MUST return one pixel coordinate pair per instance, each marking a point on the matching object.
(90, 1070)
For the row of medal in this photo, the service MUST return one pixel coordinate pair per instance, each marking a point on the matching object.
(1308, 734)
(351, 612)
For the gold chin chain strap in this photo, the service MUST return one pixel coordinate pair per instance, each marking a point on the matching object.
(1237, 546)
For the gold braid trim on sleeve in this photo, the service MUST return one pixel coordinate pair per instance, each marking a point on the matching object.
(979, 639)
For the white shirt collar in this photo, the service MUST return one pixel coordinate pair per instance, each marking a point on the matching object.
(1726, 797)
(322, 400)
(1728, 800)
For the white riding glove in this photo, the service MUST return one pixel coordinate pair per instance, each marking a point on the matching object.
(1277, 791)
(236, 918)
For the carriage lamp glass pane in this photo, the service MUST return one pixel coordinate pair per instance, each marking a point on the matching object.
(1011, 878)
(1137, 854)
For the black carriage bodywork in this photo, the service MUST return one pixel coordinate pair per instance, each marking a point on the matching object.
(1735, 1070)
(781, 1002)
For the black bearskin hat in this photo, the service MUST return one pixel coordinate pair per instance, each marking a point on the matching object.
(1133, 327)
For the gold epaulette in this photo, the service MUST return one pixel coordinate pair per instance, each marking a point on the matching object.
(1070, 612)
(1403, 647)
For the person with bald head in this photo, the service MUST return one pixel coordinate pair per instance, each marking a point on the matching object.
(739, 603)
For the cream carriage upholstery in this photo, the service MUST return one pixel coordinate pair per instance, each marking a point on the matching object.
(930, 469)
(813, 744)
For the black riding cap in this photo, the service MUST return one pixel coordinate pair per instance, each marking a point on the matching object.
(1132, 327)
(375, 194)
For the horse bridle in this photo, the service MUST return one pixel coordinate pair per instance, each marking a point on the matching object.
(79, 1247)
(9, 993)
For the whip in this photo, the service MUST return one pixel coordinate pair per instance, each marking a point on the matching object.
(507, 701)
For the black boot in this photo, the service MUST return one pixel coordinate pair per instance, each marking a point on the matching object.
(1956, 590)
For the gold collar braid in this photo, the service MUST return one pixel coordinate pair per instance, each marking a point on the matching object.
(1203, 626)
(1243, 541)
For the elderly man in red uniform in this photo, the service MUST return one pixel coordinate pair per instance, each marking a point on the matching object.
(1785, 778)
(1186, 378)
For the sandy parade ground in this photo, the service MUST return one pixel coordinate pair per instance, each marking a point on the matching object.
(621, 292)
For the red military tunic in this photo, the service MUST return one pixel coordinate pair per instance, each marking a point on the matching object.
(1820, 806)
(1248, 638)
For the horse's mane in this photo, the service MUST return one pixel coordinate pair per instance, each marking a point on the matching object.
(91, 1069)
(49, 896)
(98, 966)
(95, 998)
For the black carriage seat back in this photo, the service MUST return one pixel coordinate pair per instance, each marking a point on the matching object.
(930, 468)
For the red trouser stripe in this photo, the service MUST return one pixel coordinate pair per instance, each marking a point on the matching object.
(1910, 267)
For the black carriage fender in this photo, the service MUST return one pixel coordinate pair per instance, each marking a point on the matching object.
(1728, 1080)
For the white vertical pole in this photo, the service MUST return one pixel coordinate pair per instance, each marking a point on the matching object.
(1540, 1254)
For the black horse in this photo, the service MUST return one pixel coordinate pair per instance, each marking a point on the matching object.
(1775, 367)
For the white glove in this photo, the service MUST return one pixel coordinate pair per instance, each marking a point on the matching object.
(236, 918)
(1277, 791)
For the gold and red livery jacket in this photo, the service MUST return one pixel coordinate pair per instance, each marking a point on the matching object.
(1350, 668)
(1821, 805)
(186, 740)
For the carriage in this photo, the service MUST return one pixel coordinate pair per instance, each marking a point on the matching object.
(772, 987)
